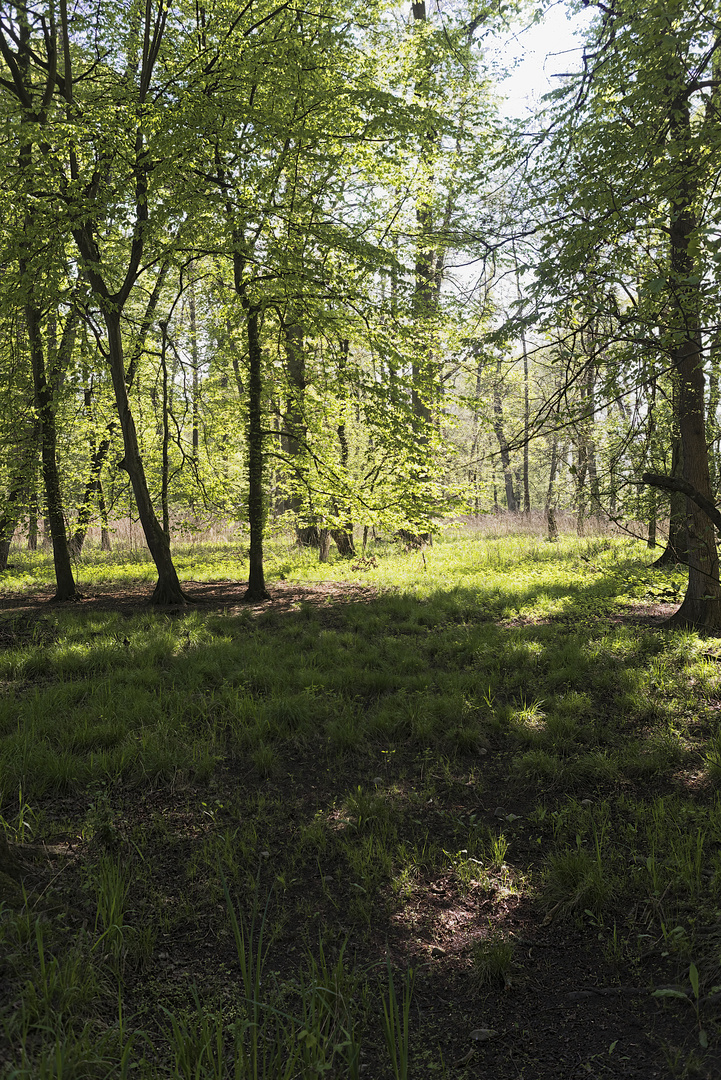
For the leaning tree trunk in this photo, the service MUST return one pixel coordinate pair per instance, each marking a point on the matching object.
(256, 590)
(167, 589)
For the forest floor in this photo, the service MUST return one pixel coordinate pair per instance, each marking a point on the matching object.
(447, 814)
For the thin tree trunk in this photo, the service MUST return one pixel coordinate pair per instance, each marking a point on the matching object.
(33, 519)
(343, 536)
(526, 431)
(256, 590)
(104, 531)
(22, 467)
(165, 464)
(712, 424)
(580, 479)
(196, 378)
(294, 430)
(429, 269)
(8, 523)
(92, 487)
(503, 443)
(43, 391)
(65, 581)
(526, 404)
(551, 494)
(591, 443)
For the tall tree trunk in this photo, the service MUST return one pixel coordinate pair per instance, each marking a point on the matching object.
(167, 589)
(526, 431)
(104, 531)
(256, 590)
(676, 550)
(526, 404)
(426, 269)
(294, 430)
(551, 493)
(701, 607)
(343, 535)
(65, 581)
(194, 358)
(593, 484)
(580, 479)
(92, 484)
(92, 487)
(503, 442)
(35, 113)
(9, 522)
(165, 463)
(33, 517)
(22, 468)
(713, 431)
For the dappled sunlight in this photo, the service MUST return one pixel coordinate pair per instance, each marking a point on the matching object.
(451, 775)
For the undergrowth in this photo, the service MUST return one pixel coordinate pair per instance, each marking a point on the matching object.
(223, 825)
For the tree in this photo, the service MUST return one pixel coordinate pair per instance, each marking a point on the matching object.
(638, 135)
(33, 92)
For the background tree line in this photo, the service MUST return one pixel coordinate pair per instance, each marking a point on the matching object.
(260, 260)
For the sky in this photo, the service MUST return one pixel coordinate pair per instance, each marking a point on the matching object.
(539, 52)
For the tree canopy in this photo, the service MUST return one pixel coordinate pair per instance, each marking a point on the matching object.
(295, 267)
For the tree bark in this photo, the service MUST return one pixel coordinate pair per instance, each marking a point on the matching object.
(165, 462)
(167, 589)
(293, 435)
(676, 550)
(503, 442)
(256, 590)
(551, 495)
(65, 581)
(92, 487)
(701, 607)
(673, 483)
(23, 466)
(343, 536)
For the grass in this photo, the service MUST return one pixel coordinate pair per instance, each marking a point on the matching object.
(240, 831)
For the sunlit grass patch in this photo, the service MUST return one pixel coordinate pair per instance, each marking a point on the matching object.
(345, 764)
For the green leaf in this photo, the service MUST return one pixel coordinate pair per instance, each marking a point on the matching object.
(693, 976)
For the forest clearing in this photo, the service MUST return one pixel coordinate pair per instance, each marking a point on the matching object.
(450, 812)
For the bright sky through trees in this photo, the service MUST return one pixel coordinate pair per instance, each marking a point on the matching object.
(541, 51)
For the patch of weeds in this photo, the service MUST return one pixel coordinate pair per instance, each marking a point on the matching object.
(111, 882)
(576, 881)
(372, 812)
(396, 1024)
(537, 768)
(265, 759)
(493, 959)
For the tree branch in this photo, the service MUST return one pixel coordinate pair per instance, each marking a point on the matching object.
(671, 483)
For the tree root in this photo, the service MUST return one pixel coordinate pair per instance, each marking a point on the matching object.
(170, 595)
